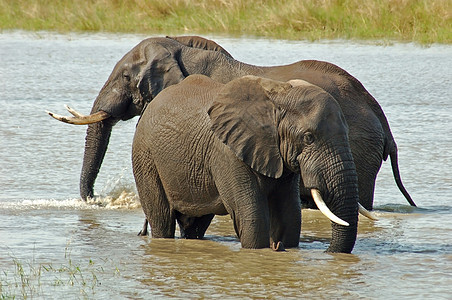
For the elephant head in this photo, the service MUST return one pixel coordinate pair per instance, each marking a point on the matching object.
(135, 80)
(277, 127)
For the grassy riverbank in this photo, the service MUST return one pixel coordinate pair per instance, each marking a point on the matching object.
(422, 21)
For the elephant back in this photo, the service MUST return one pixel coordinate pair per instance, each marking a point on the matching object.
(200, 43)
(185, 100)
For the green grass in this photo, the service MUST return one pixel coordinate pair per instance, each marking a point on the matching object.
(421, 21)
(31, 279)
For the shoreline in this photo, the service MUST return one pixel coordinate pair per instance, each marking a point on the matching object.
(423, 22)
(42, 34)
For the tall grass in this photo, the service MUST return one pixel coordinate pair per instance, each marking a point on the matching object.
(423, 21)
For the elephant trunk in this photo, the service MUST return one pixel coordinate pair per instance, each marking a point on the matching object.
(343, 237)
(337, 182)
(343, 202)
(96, 142)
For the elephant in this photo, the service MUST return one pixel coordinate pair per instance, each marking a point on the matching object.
(157, 63)
(203, 148)
(122, 99)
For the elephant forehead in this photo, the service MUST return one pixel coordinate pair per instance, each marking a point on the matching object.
(323, 117)
(333, 124)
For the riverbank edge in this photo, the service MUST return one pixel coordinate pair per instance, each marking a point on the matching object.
(46, 34)
(424, 22)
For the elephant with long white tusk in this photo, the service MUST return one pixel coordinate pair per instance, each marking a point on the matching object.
(203, 148)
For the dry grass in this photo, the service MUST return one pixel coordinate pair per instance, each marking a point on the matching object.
(422, 21)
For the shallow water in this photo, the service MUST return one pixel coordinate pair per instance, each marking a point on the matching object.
(52, 245)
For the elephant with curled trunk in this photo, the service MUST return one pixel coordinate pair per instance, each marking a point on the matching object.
(203, 148)
(157, 63)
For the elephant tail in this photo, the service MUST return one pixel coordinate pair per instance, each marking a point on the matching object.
(395, 171)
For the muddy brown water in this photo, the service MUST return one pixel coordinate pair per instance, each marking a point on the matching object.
(52, 245)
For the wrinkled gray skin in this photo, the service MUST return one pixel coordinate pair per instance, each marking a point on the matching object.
(135, 80)
(157, 63)
(203, 148)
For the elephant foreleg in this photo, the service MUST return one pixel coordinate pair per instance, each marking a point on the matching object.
(245, 202)
(252, 226)
(193, 227)
(285, 214)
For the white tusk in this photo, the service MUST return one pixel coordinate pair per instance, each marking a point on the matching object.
(80, 119)
(74, 112)
(366, 213)
(324, 209)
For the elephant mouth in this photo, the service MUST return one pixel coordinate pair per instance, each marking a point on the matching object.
(330, 215)
(80, 119)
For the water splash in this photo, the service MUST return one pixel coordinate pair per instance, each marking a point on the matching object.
(119, 199)
(44, 203)
(122, 197)
(118, 192)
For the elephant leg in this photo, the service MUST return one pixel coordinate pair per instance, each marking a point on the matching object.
(253, 232)
(366, 186)
(144, 230)
(154, 202)
(202, 223)
(245, 202)
(368, 163)
(187, 231)
(367, 144)
(251, 223)
(285, 214)
(193, 227)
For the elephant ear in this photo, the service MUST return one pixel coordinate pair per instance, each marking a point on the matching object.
(245, 119)
(160, 69)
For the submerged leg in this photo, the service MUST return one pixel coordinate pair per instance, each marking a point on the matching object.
(193, 227)
(144, 230)
(285, 214)
(154, 202)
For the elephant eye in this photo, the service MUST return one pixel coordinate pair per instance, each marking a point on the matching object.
(126, 76)
(308, 138)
